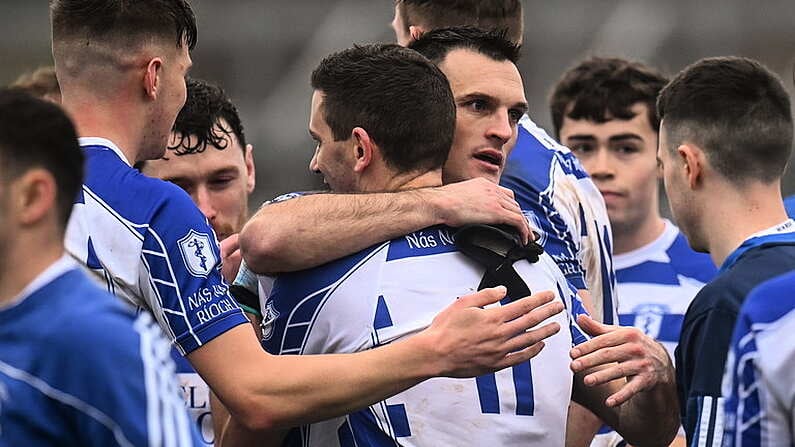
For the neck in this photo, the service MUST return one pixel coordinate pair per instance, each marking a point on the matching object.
(752, 209)
(15, 276)
(93, 118)
(627, 238)
(403, 182)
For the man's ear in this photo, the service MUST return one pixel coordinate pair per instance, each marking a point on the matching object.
(363, 149)
(415, 32)
(152, 78)
(693, 163)
(251, 175)
(34, 196)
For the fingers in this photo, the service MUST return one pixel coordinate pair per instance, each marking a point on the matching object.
(523, 306)
(619, 337)
(591, 326)
(533, 318)
(529, 338)
(626, 392)
(616, 371)
(521, 356)
(482, 298)
(230, 245)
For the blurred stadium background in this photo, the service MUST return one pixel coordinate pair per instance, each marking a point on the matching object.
(262, 52)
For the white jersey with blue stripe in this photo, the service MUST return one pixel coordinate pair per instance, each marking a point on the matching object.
(393, 290)
(79, 369)
(567, 209)
(145, 241)
(759, 385)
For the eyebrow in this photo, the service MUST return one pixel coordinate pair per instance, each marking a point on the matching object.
(522, 106)
(620, 137)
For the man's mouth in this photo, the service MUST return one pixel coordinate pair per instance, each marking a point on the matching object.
(491, 156)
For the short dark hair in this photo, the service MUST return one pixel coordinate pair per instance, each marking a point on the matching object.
(124, 19)
(504, 15)
(40, 83)
(737, 111)
(600, 89)
(37, 133)
(402, 100)
(209, 116)
(436, 44)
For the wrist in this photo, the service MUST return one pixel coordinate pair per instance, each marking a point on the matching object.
(425, 354)
(434, 205)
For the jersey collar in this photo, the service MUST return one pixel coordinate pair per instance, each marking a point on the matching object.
(104, 142)
(782, 233)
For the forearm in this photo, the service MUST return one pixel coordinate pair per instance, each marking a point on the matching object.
(311, 230)
(266, 392)
(650, 418)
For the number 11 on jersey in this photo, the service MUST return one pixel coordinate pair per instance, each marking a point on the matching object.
(489, 396)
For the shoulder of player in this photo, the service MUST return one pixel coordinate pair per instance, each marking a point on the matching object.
(770, 300)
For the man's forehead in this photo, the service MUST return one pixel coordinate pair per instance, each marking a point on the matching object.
(468, 71)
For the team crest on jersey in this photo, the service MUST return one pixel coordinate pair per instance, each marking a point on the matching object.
(197, 252)
(649, 318)
(269, 317)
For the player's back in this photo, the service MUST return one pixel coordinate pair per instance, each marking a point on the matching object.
(760, 383)
(394, 290)
(78, 368)
(568, 209)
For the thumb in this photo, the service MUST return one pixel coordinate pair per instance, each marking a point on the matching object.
(591, 326)
(484, 297)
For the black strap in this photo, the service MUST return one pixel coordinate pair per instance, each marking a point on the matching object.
(497, 249)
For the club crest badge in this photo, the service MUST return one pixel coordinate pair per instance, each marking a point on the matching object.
(197, 252)
(269, 318)
(649, 318)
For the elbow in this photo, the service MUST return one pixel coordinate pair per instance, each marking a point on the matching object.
(260, 247)
(658, 435)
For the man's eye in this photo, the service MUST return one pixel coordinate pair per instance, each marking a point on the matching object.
(477, 105)
(581, 148)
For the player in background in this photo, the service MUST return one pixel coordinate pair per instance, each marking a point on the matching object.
(604, 110)
(725, 137)
(122, 67)
(62, 339)
(375, 293)
(209, 158)
(40, 83)
(758, 385)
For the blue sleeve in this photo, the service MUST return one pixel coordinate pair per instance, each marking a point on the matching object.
(117, 384)
(183, 262)
(701, 361)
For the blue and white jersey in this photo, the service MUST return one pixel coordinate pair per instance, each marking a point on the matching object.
(145, 241)
(78, 368)
(393, 290)
(759, 385)
(567, 208)
(657, 283)
(196, 397)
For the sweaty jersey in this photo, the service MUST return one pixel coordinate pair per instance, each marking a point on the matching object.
(709, 322)
(569, 211)
(393, 290)
(145, 241)
(656, 283)
(78, 368)
(759, 385)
